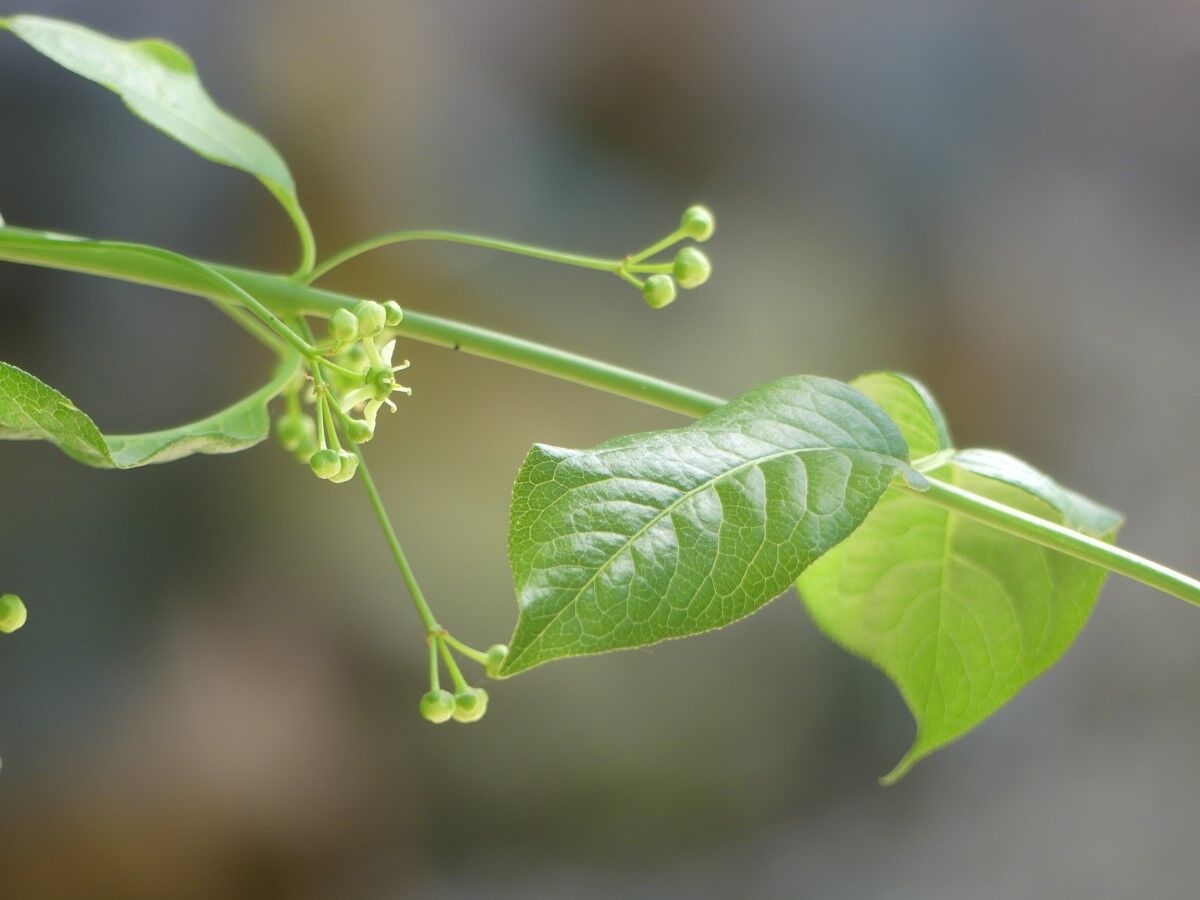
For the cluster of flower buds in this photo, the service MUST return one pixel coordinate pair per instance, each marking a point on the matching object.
(346, 391)
(465, 703)
(12, 613)
(690, 268)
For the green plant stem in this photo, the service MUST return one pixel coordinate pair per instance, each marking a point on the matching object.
(466, 649)
(330, 425)
(324, 401)
(322, 440)
(287, 297)
(1056, 537)
(456, 675)
(239, 295)
(669, 241)
(456, 237)
(308, 243)
(434, 677)
(389, 533)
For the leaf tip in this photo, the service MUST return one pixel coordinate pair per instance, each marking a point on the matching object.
(902, 768)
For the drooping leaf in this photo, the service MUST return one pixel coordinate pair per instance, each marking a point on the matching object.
(32, 410)
(960, 616)
(159, 84)
(671, 533)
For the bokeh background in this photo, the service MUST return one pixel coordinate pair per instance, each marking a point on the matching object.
(215, 695)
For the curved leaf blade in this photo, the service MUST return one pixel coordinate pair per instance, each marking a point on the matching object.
(672, 533)
(1076, 511)
(911, 407)
(960, 616)
(32, 410)
(159, 84)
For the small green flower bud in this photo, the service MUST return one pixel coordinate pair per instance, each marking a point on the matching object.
(305, 451)
(289, 430)
(395, 315)
(295, 431)
(691, 268)
(13, 615)
(359, 431)
(470, 705)
(372, 318)
(437, 706)
(347, 466)
(343, 326)
(698, 223)
(325, 463)
(658, 291)
(495, 659)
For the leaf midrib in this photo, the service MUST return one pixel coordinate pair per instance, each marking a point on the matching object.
(670, 508)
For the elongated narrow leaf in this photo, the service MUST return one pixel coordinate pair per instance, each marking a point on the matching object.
(159, 84)
(671, 533)
(960, 616)
(32, 410)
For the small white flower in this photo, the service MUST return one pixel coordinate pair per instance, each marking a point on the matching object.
(379, 382)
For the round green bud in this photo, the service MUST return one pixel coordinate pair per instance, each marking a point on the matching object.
(325, 463)
(437, 706)
(698, 223)
(359, 431)
(691, 268)
(495, 659)
(394, 314)
(470, 705)
(13, 614)
(659, 291)
(289, 430)
(347, 466)
(305, 451)
(343, 326)
(307, 446)
(372, 317)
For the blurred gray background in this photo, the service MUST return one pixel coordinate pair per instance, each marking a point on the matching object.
(216, 693)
